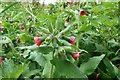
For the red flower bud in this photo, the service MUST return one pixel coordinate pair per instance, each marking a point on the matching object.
(64, 26)
(6, 17)
(119, 66)
(67, 20)
(0, 60)
(37, 41)
(17, 41)
(22, 28)
(37, 35)
(76, 55)
(72, 40)
(97, 75)
(83, 12)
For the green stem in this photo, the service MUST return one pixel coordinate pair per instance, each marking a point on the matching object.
(119, 18)
(79, 26)
(51, 74)
(9, 7)
(64, 31)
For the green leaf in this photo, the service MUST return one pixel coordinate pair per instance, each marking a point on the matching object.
(5, 40)
(46, 49)
(27, 73)
(44, 30)
(50, 27)
(117, 71)
(87, 68)
(26, 53)
(38, 57)
(100, 48)
(12, 70)
(47, 69)
(109, 67)
(103, 74)
(42, 49)
(19, 70)
(66, 68)
(24, 38)
(63, 42)
(113, 43)
(0, 73)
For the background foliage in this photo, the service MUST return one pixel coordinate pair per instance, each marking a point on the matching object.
(96, 33)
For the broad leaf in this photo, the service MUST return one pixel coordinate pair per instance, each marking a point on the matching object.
(27, 73)
(38, 57)
(103, 74)
(66, 68)
(109, 67)
(47, 69)
(12, 70)
(117, 71)
(42, 49)
(100, 48)
(89, 67)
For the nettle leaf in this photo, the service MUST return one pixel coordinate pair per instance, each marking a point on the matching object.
(38, 57)
(42, 49)
(66, 68)
(89, 67)
(12, 70)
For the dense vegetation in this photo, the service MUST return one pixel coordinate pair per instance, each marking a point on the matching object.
(64, 40)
